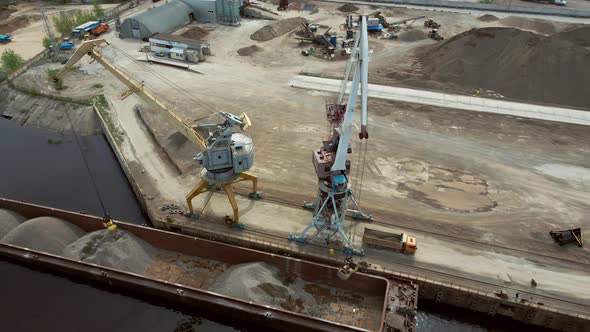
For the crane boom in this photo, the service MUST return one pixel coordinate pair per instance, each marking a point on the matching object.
(225, 156)
(89, 48)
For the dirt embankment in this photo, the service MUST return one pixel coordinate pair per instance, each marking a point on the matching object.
(17, 22)
(517, 64)
(277, 28)
(5, 12)
(579, 36)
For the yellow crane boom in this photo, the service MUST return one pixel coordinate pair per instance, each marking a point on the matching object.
(89, 48)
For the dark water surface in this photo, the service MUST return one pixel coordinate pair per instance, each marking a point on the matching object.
(47, 168)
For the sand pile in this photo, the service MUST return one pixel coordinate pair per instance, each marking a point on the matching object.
(579, 36)
(277, 28)
(118, 249)
(412, 35)
(17, 22)
(517, 64)
(246, 51)
(196, 33)
(488, 18)
(8, 221)
(348, 8)
(257, 282)
(536, 24)
(47, 234)
(5, 12)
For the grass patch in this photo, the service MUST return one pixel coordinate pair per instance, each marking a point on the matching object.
(101, 105)
(97, 86)
(56, 141)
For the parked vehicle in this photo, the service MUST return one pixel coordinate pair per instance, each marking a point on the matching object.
(66, 46)
(401, 242)
(6, 38)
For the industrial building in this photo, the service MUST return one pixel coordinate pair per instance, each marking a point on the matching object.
(167, 17)
(179, 48)
(164, 18)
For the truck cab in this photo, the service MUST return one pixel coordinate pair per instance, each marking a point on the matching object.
(560, 2)
(411, 245)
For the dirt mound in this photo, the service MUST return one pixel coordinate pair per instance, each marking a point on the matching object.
(47, 234)
(5, 12)
(488, 18)
(246, 51)
(579, 36)
(196, 33)
(277, 28)
(517, 64)
(539, 25)
(118, 249)
(412, 35)
(17, 22)
(348, 8)
(9, 220)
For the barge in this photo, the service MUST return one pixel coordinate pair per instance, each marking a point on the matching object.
(363, 302)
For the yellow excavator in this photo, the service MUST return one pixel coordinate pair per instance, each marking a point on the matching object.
(225, 157)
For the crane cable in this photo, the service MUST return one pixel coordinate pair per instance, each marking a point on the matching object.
(106, 217)
(207, 107)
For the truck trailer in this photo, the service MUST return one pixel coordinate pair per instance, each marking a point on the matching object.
(401, 242)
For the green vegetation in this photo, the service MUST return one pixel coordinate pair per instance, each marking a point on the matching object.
(56, 141)
(101, 105)
(486, 1)
(64, 23)
(10, 61)
(47, 42)
(97, 86)
(59, 84)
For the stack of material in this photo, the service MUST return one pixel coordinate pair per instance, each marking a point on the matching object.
(8, 221)
(115, 249)
(47, 234)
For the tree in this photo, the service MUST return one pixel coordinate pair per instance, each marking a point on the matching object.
(97, 10)
(47, 42)
(10, 60)
(63, 23)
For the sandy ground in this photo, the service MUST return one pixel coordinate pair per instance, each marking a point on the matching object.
(494, 179)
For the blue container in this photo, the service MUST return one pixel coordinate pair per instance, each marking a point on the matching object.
(333, 40)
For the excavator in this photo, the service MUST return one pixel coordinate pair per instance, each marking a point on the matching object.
(331, 161)
(225, 157)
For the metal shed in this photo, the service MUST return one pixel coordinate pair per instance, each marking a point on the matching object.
(161, 19)
(203, 10)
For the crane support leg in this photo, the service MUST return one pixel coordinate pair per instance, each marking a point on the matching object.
(199, 188)
(249, 176)
(232, 201)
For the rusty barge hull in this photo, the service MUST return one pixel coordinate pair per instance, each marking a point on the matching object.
(205, 301)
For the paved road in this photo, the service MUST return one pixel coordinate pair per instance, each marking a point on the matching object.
(461, 102)
(473, 12)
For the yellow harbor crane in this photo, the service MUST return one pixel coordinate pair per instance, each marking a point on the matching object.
(226, 156)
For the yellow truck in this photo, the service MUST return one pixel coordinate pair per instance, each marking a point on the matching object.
(400, 242)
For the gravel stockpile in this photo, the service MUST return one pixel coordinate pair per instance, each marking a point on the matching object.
(257, 282)
(47, 234)
(9, 220)
(348, 8)
(517, 64)
(196, 33)
(412, 35)
(277, 28)
(488, 18)
(119, 250)
(536, 24)
(579, 36)
(249, 50)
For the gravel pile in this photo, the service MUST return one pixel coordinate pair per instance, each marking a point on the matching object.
(412, 35)
(277, 28)
(488, 18)
(536, 24)
(115, 249)
(348, 8)
(579, 36)
(9, 220)
(249, 50)
(517, 64)
(47, 234)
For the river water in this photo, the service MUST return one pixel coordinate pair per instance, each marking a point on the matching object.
(47, 168)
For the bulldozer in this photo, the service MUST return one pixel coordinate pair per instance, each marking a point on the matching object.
(433, 34)
(430, 23)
